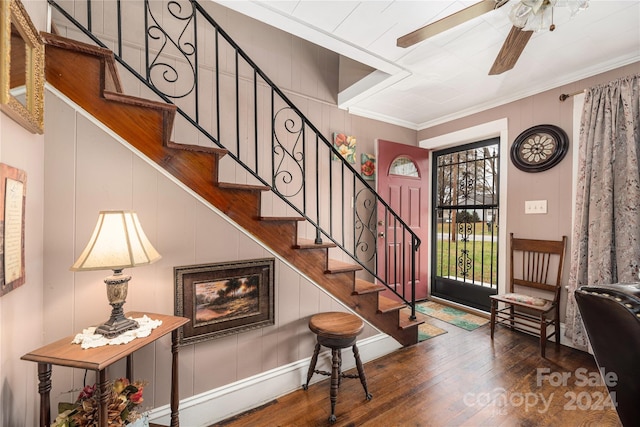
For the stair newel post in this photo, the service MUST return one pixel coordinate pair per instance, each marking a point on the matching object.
(255, 121)
(414, 250)
(353, 214)
(303, 148)
(396, 271)
(119, 14)
(386, 246)
(318, 240)
(89, 26)
(217, 83)
(344, 208)
(273, 140)
(330, 193)
(196, 79)
(147, 72)
(403, 259)
(237, 109)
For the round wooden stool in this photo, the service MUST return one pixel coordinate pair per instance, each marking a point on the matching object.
(336, 330)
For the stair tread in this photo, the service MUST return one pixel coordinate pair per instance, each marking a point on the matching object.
(280, 218)
(335, 266)
(365, 287)
(135, 100)
(76, 45)
(311, 244)
(405, 322)
(250, 187)
(386, 305)
(197, 148)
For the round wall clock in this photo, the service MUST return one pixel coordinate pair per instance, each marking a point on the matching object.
(539, 148)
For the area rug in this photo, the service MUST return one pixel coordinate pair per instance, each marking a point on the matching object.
(426, 331)
(451, 315)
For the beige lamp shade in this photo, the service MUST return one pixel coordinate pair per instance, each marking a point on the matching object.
(117, 242)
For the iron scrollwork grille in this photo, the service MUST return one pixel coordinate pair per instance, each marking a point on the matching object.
(466, 213)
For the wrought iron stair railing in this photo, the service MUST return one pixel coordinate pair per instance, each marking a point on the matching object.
(224, 99)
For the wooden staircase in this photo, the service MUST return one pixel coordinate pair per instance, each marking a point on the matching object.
(88, 76)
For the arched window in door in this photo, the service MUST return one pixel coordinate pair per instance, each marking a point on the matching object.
(404, 166)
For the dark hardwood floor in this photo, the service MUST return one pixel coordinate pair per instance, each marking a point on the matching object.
(460, 378)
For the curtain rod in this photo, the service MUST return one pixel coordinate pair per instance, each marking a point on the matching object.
(565, 96)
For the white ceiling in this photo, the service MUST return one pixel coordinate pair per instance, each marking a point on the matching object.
(446, 76)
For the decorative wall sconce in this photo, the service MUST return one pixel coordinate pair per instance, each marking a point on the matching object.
(117, 242)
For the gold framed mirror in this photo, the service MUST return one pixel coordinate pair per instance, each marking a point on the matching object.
(22, 67)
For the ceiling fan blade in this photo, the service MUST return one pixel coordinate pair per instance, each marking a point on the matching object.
(448, 22)
(511, 50)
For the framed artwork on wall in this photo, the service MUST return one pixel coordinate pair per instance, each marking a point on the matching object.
(346, 146)
(224, 298)
(368, 166)
(13, 190)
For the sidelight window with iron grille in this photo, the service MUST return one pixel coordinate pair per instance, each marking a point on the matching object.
(465, 223)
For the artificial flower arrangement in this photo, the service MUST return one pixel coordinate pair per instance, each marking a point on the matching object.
(124, 398)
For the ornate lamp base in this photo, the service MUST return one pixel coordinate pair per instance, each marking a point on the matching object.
(117, 323)
(117, 285)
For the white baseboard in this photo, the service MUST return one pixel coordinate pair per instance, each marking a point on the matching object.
(218, 404)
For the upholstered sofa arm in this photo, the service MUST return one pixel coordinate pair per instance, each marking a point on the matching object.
(611, 316)
(627, 294)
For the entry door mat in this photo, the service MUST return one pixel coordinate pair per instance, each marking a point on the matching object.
(426, 331)
(451, 315)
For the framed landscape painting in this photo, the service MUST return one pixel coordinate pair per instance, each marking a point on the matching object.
(224, 298)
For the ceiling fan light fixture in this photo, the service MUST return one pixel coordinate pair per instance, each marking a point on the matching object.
(537, 15)
(519, 14)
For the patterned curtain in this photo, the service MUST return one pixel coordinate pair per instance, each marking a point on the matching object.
(606, 234)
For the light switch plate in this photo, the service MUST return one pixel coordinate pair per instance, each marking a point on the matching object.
(535, 207)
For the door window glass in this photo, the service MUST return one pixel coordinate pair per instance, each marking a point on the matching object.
(403, 166)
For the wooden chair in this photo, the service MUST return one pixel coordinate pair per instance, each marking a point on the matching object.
(531, 303)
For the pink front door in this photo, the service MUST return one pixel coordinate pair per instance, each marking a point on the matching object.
(403, 184)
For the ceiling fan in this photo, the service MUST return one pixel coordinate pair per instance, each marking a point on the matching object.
(526, 16)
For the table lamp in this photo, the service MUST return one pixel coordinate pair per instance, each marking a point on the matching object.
(117, 242)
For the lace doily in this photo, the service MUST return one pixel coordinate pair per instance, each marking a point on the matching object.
(88, 339)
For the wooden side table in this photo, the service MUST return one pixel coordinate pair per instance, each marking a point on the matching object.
(64, 353)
